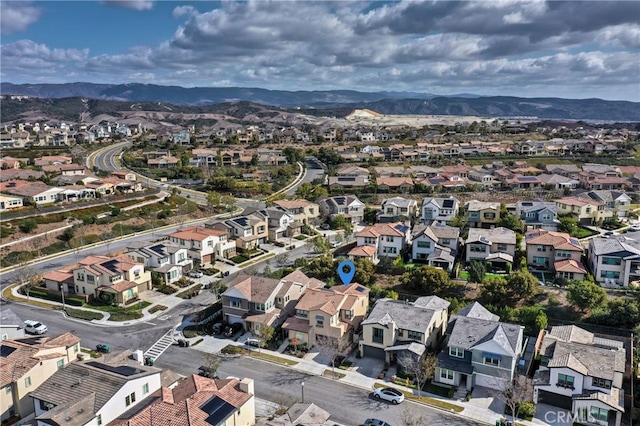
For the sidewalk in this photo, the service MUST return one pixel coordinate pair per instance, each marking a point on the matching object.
(470, 410)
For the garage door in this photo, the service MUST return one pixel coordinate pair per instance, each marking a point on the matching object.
(373, 352)
(550, 398)
(234, 319)
(489, 382)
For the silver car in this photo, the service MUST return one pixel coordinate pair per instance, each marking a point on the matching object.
(389, 394)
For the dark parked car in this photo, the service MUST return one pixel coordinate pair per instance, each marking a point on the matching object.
(217, 328)
(232, 329)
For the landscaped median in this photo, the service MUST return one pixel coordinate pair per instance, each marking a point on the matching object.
(438, 403)
(237, 350)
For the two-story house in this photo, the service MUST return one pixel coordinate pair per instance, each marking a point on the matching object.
(585, 210)
(440, 210)
(165, 257)
(617, 202)
(394, 327)
(582, 373)
(93, 392)
(302, 210)
(281, 224)
(497, 246)
(615, 261)
(435, 245)
(482, 214)
(204, 245)
(348, 206)
(115, 278)
(328, 314)
(538, 214)
(557, 252)
(480, 350)
(196, 400)
(256, 301)
(397, 209)
(26, 364)
(388, 238)
(249, 230)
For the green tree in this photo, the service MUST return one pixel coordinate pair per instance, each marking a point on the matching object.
(365, 271)
(311, 192)
(512, 222)
(477, 271)
(341, 222)
(214, 199)
(494, 291)
(428, 280)
(623, 312)
(322, 267)
(533, 318)
(568, 224)
(522, 285)
(320, 245)
(28, 226)
(370, 215)
(265, 333)
(586, 295)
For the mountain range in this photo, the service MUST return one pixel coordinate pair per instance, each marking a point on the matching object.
(341, 101)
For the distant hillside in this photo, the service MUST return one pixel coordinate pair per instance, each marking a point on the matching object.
(336, 102)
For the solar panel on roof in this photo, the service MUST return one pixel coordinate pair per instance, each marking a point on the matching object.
(447, 203)
(360, 289)
(528, 178)
(218, 409)
(574, 241)
(123, 370)
(111, 265)
(5, 351)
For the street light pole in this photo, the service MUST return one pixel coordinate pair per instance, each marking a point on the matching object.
(302, 392)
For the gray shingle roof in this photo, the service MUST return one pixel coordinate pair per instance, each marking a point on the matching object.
(466, 333)
(622, 243)
(431, 302)
(398, 201)
(406, 316)
(495, 235)
(476, 310)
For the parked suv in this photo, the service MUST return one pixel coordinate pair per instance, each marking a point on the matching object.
(34, 327)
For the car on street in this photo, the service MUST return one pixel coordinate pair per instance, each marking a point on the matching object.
(375, 422)
(635, 227)
(34, 327)
(392, 395)
(609, 233)
(232, 329)
(195, 274)
(325, 226)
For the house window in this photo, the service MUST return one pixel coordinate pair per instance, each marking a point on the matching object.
(456, 352)
(7, 389)
(234, 303)
(99, 419)
(424, 244)
(76, 347)
(601, 383)
(477, 248)
(446, 374)
(130, 399)
(542, 248)
(400, 332)
(389, 238)
(502, 247)
(493, 360)
(319, 321)
(611, 260)
(286, 298)
(445, 241)
(348, 314)
(609, 274)
(390, 250)
(60, 363)
(259, 307)
(145, 388)
(415, 335)
(599, 414)
(301, 313)
(27, 382)
(565, 381)
(80, 276)
(489, 215)
(378, 335)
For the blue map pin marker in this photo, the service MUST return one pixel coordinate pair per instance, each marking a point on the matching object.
(346, 277)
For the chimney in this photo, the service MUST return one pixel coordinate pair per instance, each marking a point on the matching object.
(246, 386)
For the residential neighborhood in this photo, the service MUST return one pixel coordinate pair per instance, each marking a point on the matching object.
(469, 279)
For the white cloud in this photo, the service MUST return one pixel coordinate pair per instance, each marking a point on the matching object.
(130, 4)
(180, 11)
(16, 16)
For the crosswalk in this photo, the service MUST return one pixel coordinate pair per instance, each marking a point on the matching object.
(160, 346)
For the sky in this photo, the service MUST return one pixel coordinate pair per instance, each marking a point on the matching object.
(525, 48)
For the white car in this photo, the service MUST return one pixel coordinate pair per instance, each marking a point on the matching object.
(34, 327)
(389, 394)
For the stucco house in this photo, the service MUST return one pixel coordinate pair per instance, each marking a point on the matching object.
(582, 373)
(440, 210)
(585, 210)
(302, 210)
(397, 209)
(348, 206)
(328, 314)
(204, 245)
(615, 261)
(26, 364)
(497, 246)
(480, 350)
(93, 392)
(394, 329)
(557, 252)
(389, 239)
(436, 245)
(165, 257)
(538, 214)
(482, 214)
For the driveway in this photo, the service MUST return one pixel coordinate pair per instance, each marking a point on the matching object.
(552, 416)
